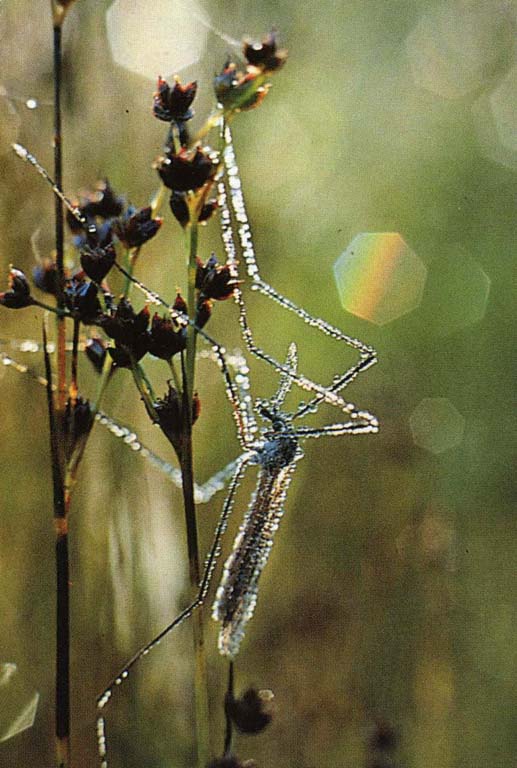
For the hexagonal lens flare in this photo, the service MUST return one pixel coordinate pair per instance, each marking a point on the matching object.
(379, 277)
(159, 38)
(436, 425)
(458, 48)
(456, 294)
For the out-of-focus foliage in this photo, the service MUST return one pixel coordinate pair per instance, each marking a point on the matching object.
(390, 597)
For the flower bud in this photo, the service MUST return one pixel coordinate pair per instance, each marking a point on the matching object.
(180, 209)
(167, 338)
(136, 227)
(215, 281)
(78, 421)
(180, 305)
(129, 330)
(203, 313)
(252, 712)
(103, 202)
(81, 299)
(169, 410)
(186, 170)
(97, 261)
(174, 103)
(265, 55)
(18, 294)
(238, 91)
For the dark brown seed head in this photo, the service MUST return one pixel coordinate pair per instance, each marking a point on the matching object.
(214, 280)
(203, 313)
(180, 209)
(97, 261)
(78, 421)
(173, 103)
(180, 305)
(167, 337)
(18, 294)
(265, 55)
(129, 330)
(252, 712)
(169, 410)
(136, 227)
(186, 170)
(81, 298)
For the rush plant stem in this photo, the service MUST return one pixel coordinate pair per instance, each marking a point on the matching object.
(62, 711)
(188, 371)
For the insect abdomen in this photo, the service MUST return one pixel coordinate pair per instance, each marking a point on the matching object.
(236, 596)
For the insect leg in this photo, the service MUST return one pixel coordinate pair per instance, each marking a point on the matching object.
(204, 586)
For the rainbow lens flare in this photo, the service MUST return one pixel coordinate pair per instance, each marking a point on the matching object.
(379, 277)
(436, 425)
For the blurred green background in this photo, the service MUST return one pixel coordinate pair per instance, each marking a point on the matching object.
(391, 593)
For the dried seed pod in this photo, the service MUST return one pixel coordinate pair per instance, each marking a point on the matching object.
(214, 280)
(136, 227)
(239, 91)
(81, 299)
(180, 305)
(166, 337)
(129, 331)
(186, 170)
(174, 103)
(252, 712)
(78, 421)
(203, 313)
(18, 294)
(265, 55)
(97, 261)
(169, 410)
(179, 208)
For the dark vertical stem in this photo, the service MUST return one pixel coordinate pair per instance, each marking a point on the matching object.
(59, 218)
(62, 712)
(228, 736)
(75, 359)
(187, 477)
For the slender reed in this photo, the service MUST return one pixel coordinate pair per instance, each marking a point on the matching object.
(62, 704)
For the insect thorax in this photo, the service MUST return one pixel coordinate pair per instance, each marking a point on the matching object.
(279, 447)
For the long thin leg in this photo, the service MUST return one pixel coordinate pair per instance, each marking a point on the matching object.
(204, 586)
(368, 356)
(347, 428)
(202, 493)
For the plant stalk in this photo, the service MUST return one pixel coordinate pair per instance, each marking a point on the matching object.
(186, 460)
(62, 711)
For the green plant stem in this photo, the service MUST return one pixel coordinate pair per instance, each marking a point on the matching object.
(175, 377)
(186, 460)
(228, 735)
